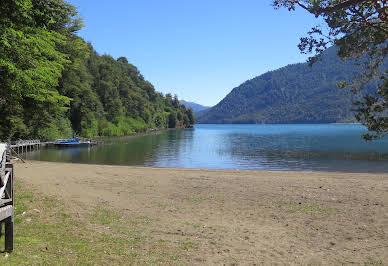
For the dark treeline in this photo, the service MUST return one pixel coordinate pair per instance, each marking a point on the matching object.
(54, 84)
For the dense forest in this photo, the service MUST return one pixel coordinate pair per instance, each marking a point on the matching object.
(297, 93)
(54, 84)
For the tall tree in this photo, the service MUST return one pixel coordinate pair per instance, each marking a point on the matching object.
(360, 29)
(32, 33)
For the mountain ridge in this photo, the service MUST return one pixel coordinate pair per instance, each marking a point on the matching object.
(296, 93)
(197, 108)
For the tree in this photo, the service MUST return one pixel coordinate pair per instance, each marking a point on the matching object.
(191, 116)
(175, 101)
(359, 28)
(122, 59)
(172, 120)
(31, 63)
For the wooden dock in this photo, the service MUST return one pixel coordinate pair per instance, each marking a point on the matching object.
(22, 146)
(6, 197)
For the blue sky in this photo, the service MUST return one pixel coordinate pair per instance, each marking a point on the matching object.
(199, 50)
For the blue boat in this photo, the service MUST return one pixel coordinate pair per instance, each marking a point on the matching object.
(74, 141)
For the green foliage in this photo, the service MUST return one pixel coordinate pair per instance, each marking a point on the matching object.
(127, 100)
(52, 83)
(293, 94)
(31, 62)
(56, 129)
(191, 117)
(89, 126)
(172, 120)
(137, 125)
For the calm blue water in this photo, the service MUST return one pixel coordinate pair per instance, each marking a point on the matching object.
(323, 147)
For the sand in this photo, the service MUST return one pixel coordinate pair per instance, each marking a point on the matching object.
(233, 216)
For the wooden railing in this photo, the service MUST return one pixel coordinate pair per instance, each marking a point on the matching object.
(6, 197)
(22, 143)
(22, 146)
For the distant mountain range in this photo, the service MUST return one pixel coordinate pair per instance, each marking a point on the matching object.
(296, 93)
(197, 108)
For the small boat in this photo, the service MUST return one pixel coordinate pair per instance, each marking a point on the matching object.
(74, 141)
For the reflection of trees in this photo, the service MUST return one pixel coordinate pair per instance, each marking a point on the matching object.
(58, 154)
(178, 145)
(129, 150)
(123, 150)
(142, 150)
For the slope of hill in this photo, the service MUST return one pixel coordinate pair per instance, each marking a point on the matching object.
(296, 93)
(53, 84)
(195, 106)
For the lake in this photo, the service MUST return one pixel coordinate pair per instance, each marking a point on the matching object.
(318, 147)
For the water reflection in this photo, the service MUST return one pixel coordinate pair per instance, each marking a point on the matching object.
(272, 147)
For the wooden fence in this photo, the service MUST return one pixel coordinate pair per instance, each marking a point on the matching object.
(6, 196)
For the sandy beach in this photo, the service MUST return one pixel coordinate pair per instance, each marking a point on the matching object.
(234, 217)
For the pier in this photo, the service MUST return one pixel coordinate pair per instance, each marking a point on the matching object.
(25, 145)
(20, 147)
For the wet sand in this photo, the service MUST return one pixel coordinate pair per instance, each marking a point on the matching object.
(235, 217)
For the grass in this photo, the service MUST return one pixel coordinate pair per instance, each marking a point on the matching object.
(188, 244)
(194, 224)
(171, 206)
(47, 233)
(307, 208)
(374, 263)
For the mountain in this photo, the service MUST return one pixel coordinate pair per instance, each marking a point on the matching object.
(296, 93)
(195, 106)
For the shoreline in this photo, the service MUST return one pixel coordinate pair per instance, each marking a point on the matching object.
(232, 216)
(214, 169)
(142, 134)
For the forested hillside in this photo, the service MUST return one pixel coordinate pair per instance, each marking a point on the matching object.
(195, 106)
(296, 93)
(53, 84)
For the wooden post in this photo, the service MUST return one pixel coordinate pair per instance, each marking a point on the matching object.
(8, 234)
(6, 201)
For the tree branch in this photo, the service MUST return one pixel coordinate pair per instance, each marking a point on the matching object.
(330, 9)
(366, 21)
